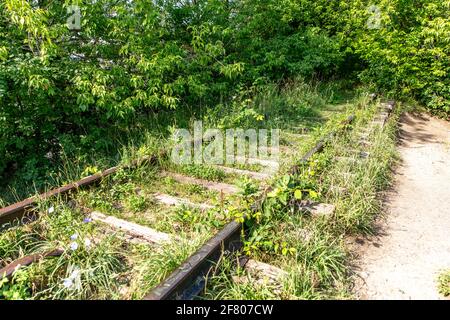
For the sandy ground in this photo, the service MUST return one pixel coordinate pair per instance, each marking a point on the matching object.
(412, 243)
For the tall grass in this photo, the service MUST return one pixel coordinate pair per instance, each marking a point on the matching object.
(317, 259)
(295, 103)
(112, 268)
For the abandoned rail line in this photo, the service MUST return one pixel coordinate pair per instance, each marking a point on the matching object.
(189, 279)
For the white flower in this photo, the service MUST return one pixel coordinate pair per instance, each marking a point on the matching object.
(75, 274)
(74, 237)
(87, 243)
(67, 283)
(74, 246)
(51, 209)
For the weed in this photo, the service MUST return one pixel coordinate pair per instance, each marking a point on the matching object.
(203, 172)
(18, 288)
(311, 249)
(444, 283)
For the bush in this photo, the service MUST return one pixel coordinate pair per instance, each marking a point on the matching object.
(410, 53)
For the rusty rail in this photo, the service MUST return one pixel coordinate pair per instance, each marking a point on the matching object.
(20, 209)
(8, 271)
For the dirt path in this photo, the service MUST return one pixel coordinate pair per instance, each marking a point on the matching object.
(413, 242)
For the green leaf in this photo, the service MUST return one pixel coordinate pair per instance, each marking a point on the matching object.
(313, 194)
(283, 198)
(298, 194)
(274, 193)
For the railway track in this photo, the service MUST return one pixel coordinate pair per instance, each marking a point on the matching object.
(188, 280)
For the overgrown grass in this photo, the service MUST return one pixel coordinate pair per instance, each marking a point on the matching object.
(296, 103)
(97, 263)
(311, 249)
(112, 268)
(90, 265)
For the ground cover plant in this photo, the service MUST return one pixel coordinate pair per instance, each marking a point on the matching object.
(444, 283)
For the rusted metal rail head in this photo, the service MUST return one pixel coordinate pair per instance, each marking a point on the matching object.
(319, 146)
(189, 280)
(8, 271)
(20, 209)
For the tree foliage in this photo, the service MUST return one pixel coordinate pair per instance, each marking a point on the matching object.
(63, 87)
(410, 52)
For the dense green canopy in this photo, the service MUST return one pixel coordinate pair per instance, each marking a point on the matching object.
(133, 57)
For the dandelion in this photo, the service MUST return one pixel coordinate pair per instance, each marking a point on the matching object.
(51, 209)
(74, 246)
(74, 237)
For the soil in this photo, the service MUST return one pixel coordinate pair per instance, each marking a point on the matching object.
(412, 241)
